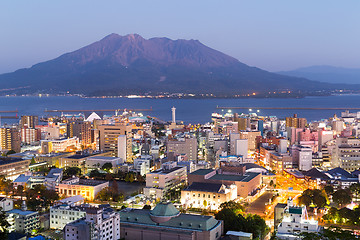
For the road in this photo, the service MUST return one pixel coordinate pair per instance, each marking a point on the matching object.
(260, 204)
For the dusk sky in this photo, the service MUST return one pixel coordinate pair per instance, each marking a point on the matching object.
(273, 35)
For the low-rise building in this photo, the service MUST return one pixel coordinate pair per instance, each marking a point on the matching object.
(247, 183)
(96, 162)
(160, 181)
(142, 164)
(53, 178)
(207, 195)
(59, 145)
(6, 204)
(63, 214)
(294, 222)
(100, 223)
(87, 188)
(11, 168)
(166, 222)
(22, 221)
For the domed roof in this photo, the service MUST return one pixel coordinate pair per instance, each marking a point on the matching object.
(164, 210)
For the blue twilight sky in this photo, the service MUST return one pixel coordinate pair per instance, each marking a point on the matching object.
(270, 34)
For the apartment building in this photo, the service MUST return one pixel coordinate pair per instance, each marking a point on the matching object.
(347, 154)
(22, 221)
(100, 223)
(63, 214)
(11, 168)
(81, 130)
(10, 139)
(160, 181)
(187, 146)
(109, 135)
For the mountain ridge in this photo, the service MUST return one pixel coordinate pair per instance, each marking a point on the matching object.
(326, 73)
(131, 64)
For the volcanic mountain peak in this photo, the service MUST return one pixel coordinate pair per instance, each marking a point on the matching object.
(131, 64)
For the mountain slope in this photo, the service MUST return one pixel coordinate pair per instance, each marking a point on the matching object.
(327, 74)
(131, 64)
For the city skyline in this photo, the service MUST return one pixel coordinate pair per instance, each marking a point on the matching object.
(275, 36)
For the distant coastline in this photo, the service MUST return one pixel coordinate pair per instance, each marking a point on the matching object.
(281, 94)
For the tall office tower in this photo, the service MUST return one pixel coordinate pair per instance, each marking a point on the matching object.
(173, 114)
(10, 139)
(296, 122)
(243, 123)
(80, 129)
(109, 134)
(29, 121)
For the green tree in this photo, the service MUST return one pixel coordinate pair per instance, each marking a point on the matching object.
(342, 197)
(10, 152)
(131, 178)
(355, 190)
(147, 207)
(72, 171)
(20, 191)
(127, 177)
(234, 206)
(329, 189)
(107, 167)
(234, 221)
(3, 225)
(315, 197)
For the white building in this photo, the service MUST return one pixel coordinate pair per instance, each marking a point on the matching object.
(294, 222)
(63, 214)
(160, 181)
(97, 162)
(6, 204)
(59, 145)
(241, 147)
(122, 148)
(101, 223)
(302, 156)
(22, 221)
(53, 178)
(142, 164)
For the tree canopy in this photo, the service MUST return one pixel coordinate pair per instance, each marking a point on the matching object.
(236, 221)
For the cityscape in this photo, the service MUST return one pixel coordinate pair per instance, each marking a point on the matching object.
(124, 175)
(179, 120)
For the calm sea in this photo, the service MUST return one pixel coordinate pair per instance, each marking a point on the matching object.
(187, 110)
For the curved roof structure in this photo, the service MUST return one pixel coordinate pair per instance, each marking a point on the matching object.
(164, 210)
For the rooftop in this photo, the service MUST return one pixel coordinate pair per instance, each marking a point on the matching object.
(204, 187)
(4, 160)
(21, 212)
(202, 171)
(103, 158)
(183, 221)
(164, 210)
(247, 177)
(162, 171)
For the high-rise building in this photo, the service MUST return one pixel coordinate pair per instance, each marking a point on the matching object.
(302, 157)
(109, 137)
(296, 122)
(80, 129)
(10, 139)
(29, 121)
(30, 135)
(251, 136)
(186, 146)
